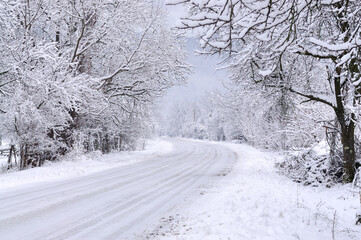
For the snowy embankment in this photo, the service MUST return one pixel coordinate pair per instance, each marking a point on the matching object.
(76, 165)
(252, 201)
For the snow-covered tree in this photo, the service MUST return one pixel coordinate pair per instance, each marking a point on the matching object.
(269, 117)
(264, 39)
(185, 119)
(74, 70)
(44, 94)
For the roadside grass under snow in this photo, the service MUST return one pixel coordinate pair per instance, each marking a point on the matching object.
(76, 164)
(252, 201)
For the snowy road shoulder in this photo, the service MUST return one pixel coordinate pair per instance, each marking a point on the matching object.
(254, 202)
(76, 165)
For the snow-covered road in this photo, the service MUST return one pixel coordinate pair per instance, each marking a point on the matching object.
(113, 204)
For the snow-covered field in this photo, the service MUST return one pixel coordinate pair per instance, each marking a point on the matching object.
(76, 165)
(252, 201)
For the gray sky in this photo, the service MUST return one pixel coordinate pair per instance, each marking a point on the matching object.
(204, 78)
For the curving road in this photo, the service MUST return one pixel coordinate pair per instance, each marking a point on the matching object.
(113, 204)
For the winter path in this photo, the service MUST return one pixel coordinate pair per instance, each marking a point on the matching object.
(112, 204)
(252, 201)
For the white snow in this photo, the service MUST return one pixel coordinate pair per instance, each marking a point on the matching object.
(112, 204)
(322, 148)
(254, 202)
(3, 161)
(265, 73)
(76, 165)
(335, 47)
(246, 200)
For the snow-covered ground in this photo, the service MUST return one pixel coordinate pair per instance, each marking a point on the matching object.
(112, 204)
(252, 201)
(76, 165)
(246, 200)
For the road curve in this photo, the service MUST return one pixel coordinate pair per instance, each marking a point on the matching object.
(113, 204)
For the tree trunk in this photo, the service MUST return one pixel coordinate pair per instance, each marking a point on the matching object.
(11, 152)
(349, 154)
(347, 127)
(23, 156)
(105, 144)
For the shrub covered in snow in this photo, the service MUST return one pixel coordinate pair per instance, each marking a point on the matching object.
(313, 166)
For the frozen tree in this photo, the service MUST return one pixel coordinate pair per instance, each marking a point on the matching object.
(175, 119)
(86, 71)
(185, 119)
(134, 63)
(266, 117)
(43, 94)
(264, 39)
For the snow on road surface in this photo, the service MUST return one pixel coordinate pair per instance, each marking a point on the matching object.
(112, 204)
(180, 189)
(76, 165)
(253, 202)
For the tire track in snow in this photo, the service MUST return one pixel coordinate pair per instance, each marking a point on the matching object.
(71, 187)
(137, 195)
(177, 180)
(148, 164)
(23, 214)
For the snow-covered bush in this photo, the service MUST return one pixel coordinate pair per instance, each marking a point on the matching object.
(313, 166)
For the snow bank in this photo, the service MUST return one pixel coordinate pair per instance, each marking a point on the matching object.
(253, 202)
(76, 165)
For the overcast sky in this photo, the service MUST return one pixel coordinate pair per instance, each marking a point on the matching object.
(204, 78)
